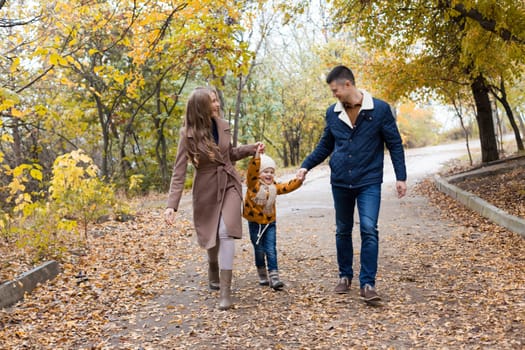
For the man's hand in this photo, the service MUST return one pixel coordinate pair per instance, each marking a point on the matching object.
(301, 174)
(401, 187)
(169, 216)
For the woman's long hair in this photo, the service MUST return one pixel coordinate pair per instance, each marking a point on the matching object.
(198, 125)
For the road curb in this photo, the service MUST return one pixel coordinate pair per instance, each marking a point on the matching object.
(481, 206)
(14, 291)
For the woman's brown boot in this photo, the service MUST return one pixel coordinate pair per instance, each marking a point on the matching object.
(213, 267)
(213, 275)
(225, 301)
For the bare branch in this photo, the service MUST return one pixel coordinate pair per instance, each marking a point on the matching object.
(8, 23)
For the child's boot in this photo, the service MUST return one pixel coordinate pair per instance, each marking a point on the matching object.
(275, 282)
(263, 276)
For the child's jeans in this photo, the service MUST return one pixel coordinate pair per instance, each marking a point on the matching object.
(267, 244)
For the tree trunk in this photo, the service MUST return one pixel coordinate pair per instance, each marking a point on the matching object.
(125, 165)
(161, 149)
(505, 103)
(285, 150)
(236, 117)
(487, 135)
(457, 108)
(521, 120)
(105, 138)
(17, 143)
(515, 128)
(499, 125)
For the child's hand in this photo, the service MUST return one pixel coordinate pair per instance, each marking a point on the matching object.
(259, 150)
(301, 174)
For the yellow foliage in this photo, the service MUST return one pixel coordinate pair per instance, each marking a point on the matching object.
(76, 189)
(4, 219)
(6, 138)
(8, 99)
(42, 230)
(40, 110)
(17, 187)
(135, 181)
(53, 58)
(417, 125)
(17, 113)
(40, 51)
(15, 64)
(36, 174)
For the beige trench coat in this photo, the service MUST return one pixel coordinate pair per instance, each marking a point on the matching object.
(216, 187)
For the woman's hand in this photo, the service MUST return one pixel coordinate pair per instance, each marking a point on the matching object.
(169, 216)
(259, 147)
(259, 150)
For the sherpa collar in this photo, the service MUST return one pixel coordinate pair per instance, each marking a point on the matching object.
(368, 104)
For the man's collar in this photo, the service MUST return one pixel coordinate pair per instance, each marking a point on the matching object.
(368, 102)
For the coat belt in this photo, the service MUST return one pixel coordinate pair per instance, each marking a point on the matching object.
(222, 177)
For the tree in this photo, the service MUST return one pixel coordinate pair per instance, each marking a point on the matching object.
(465, 38)
(286, 97)
(14, 22)
(418, 128)
(111, 77)
(500, 93)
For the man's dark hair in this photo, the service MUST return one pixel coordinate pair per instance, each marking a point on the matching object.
(340, 73)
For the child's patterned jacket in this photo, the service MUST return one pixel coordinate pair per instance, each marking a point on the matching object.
(253, 212)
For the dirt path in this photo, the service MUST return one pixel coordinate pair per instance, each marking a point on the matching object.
(439, 291)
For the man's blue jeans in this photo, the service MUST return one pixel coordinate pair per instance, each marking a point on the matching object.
(368, 199)
(267, 245)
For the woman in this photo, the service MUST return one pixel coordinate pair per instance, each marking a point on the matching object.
(205, 141)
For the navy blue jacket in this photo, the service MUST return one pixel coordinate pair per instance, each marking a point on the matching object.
(357, 154)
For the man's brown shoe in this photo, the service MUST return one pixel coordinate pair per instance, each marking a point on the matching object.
(368, 293)
(343, 286)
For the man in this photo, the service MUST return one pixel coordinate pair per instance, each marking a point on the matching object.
(357, 129)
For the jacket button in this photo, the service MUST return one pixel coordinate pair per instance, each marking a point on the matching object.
(349, 156)
(349, 171)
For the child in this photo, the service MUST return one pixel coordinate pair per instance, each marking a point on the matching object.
(259, 210)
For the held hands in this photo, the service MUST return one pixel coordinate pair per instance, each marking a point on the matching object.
(169, 216)
(259, 150)
(301, 174)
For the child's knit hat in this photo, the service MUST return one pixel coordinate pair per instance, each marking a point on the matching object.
(266, 162)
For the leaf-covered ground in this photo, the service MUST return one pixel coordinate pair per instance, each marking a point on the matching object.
(449, 279)
(505, 190)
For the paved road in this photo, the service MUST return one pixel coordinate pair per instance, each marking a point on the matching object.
(421, 162)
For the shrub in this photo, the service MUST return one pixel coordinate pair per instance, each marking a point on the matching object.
(77, 192)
